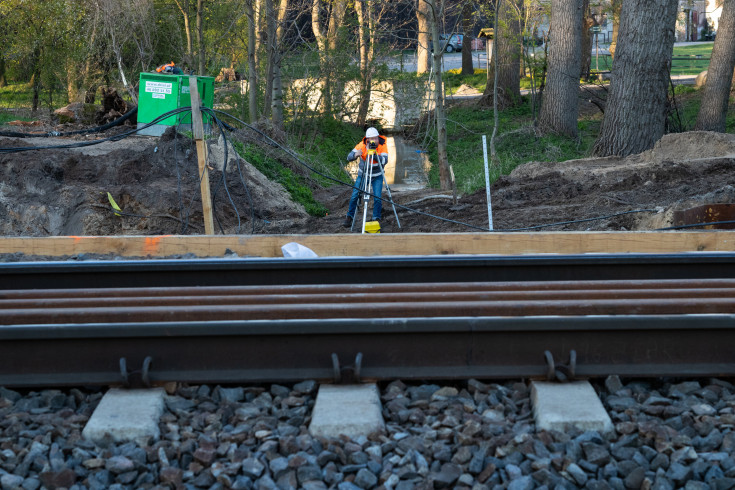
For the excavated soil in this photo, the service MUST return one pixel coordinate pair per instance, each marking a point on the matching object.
(155, 182)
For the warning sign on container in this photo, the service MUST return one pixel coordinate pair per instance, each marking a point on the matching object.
(158, 89)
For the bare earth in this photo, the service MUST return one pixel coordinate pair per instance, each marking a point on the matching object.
(50, 192)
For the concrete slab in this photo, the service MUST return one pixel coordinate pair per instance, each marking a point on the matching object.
(557, 406)
(352, 410)
(126, 415)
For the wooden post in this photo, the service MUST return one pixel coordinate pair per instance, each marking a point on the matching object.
(197, 127)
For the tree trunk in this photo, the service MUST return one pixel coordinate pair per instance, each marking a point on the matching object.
(72, 90)
(259, 31)
(467, 68)
(636, 109)
(252, 67)
(445, 181)
(508, 39)
(270, 49)
(365, 85)
(36, 79)
(560, 105)
(422, 49)
(277, 103)
(3, 81)
(713, 110)
(587, 23)
(616, 7)
(200, 36)
(184, 9)
(321, 42)
(336, 21)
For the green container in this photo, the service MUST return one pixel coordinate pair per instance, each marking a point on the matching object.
(159, 93)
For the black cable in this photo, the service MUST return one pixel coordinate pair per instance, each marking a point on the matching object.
(82, 144)
(273, 143)
(242, 178)
(98, 129)
(696, 225)
(224, 184)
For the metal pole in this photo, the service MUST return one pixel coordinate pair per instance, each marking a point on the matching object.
(368, 185)
(487, 184)
(390, 196)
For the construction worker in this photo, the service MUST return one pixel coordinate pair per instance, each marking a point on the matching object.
(371, 141)
(169, 68)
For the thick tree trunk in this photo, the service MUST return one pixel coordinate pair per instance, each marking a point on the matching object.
(422, 49)
(252, 67)
(713, 110)
(467, 68)
(508, 39)
(3, 82)
(560, 105)
(587, 22)
(636, 109)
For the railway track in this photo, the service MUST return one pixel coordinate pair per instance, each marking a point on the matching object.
(485, 318)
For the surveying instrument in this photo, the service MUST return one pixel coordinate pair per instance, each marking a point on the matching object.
(366, 191)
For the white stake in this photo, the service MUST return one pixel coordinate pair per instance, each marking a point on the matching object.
(487, 185)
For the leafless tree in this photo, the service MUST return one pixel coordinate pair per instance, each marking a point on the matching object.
(636, 109)
(185, 7)
(276, 59)
(435, 15)
(327, 41)
(713, 110)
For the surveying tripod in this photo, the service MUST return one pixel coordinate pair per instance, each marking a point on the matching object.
(366, 190)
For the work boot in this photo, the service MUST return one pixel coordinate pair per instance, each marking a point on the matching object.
(347, 223)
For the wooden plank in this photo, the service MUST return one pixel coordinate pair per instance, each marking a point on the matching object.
(197, 127)
(379, 244)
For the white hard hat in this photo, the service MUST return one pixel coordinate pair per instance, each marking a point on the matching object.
(371, 132)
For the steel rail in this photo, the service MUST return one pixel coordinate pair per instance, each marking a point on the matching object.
(98, 292)
(388, 348)
(369, 297)
(285, 320)
(364, 270)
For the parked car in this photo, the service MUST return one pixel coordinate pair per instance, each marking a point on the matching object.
(451, 42)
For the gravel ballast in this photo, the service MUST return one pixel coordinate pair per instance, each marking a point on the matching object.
(668, 434)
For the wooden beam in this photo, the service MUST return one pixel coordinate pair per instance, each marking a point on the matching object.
(197, 127)
(379, 244)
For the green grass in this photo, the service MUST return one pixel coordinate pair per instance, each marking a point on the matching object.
(294, 184)
(6, 117)
(515, 143)
(16, 95)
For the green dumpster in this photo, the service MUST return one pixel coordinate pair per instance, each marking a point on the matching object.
(159, 93)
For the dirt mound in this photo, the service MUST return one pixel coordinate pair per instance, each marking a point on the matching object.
(156, 183)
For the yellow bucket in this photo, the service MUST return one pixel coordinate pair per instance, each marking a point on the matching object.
(372, 227)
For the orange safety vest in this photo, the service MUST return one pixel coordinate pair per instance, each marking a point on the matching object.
(363, 149)
(162, 68)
